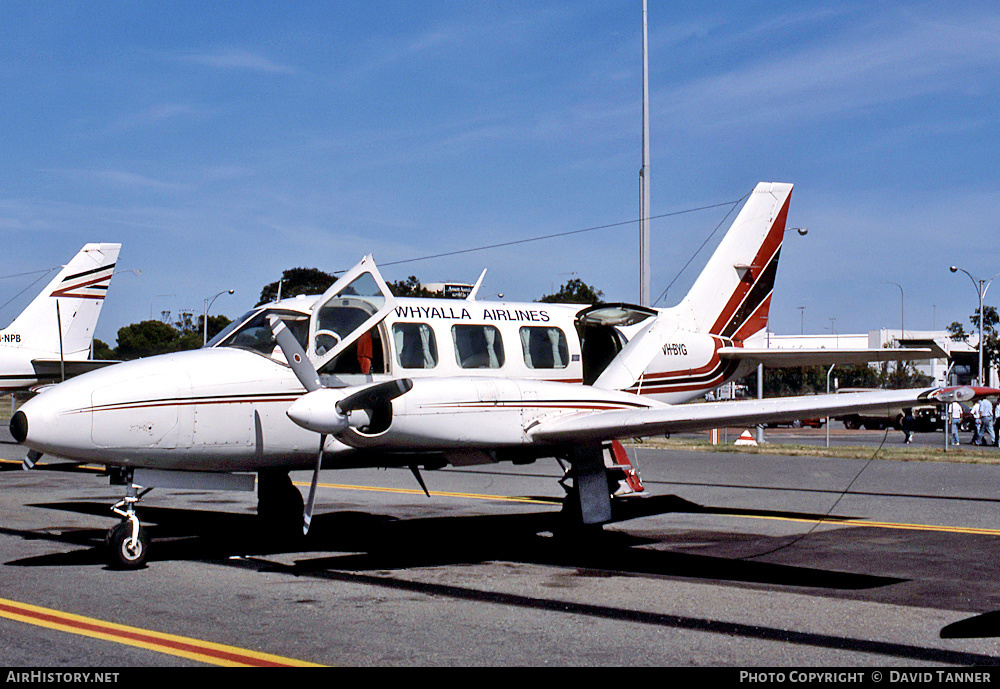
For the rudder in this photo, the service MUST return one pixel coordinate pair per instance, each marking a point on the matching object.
(79, 290)
(732, 295)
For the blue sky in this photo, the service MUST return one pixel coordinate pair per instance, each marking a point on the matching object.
(222, 143)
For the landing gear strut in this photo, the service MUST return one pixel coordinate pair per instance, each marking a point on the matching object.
(595, 475)
(127, 543)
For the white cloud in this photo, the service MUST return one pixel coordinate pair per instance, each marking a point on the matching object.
(235, 58)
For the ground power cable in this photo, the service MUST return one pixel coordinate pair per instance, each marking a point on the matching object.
(823, 519)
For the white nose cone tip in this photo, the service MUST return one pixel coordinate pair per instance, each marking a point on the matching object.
(317, 411)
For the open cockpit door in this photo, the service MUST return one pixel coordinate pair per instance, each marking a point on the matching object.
(352, 306)
(600, 338)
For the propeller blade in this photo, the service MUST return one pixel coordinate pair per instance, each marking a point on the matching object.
(295, 355)
(311, 502)
(373, 395)
(415, 470)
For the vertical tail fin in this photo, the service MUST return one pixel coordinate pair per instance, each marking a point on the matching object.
(732, 295)
(79, 290)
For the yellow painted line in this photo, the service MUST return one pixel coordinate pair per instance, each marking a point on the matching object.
(185, 647)
(96, 468)
(831, 521)
(836, 521)
(443, 494)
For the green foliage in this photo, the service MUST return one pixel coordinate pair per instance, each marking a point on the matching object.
(575, 291)
(102, 350)
(410, 287)
(296, 281)
(149, 338)
(146, 338)
(804, 380)
(991, 341)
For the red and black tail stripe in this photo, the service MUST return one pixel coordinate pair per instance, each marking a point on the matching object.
(746, 311)
(90, 284)
(716, 372)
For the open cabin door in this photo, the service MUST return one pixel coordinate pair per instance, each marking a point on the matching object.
(347, 312)
(600, 339)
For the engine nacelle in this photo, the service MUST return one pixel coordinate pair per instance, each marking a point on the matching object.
(479, 412)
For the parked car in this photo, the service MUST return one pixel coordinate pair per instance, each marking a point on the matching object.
(798, 423)
(925, 420)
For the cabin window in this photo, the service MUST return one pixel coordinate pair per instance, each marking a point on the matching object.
(544, 347)
(416, 346)
(478, 346)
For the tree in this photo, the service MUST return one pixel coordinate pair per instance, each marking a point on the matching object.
(146, 338)
(149, 338)
(102, 350)
(296, 281)
(575, 291)
(802, 380)
(991, 341)
(410, 287)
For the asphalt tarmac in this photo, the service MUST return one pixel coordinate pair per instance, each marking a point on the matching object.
(728, 561)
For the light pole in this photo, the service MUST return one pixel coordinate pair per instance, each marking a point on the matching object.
(900, 308)
(204, 322)
(981, 287)
(644, 260)
(899, 342)
(760, 367)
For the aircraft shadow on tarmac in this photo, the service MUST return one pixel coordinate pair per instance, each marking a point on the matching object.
(985, 626)
(371, 541)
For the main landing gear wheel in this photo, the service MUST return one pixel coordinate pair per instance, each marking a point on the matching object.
(279, 504)
(126, 549)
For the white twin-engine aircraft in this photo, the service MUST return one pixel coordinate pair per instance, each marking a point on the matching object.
(372, 380)
(51, 339)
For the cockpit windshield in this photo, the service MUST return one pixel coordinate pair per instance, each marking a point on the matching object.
(227, 331)
(253, 332)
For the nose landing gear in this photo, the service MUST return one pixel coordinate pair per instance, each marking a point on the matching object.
(127, 543)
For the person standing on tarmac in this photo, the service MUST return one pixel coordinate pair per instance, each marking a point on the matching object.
(986, 414)
(907, 425)
(956, 421)
(977, 424)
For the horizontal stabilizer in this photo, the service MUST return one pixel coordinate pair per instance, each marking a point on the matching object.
(777, 358)
(51, 369)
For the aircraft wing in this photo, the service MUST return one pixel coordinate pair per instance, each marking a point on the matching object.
(619, 423)
(776, 358)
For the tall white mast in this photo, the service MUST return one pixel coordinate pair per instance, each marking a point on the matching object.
(644, 295)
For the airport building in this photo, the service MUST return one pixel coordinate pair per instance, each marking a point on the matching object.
(952, 363)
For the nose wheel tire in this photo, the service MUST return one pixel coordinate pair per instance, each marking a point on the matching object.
(123, 552)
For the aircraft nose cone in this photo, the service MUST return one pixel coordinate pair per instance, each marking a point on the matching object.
(19, 426)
